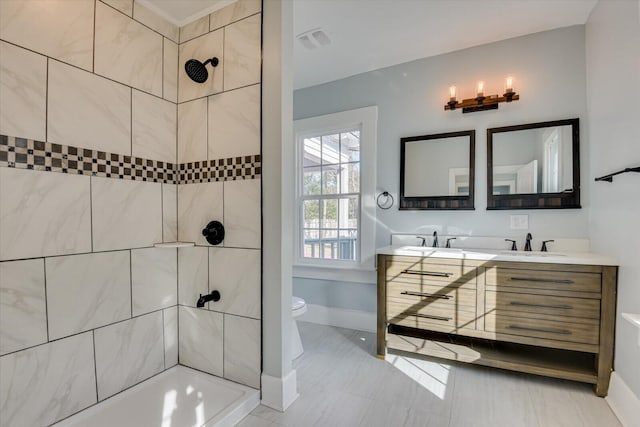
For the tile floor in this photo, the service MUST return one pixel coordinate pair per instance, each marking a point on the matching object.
(341, 383)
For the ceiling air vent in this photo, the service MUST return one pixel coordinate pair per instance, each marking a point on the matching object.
(313, 38)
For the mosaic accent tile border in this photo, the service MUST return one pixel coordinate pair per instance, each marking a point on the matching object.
(25, 153)
(229, 169)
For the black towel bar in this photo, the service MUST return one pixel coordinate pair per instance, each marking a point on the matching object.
(609, 178)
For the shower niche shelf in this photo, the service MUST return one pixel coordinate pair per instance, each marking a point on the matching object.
(169, 245)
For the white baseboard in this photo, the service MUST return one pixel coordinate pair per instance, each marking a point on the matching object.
(278, 393)
(238, 414)
(623, 402)
(343, 318)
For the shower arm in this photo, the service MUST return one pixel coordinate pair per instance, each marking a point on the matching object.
(213, 61)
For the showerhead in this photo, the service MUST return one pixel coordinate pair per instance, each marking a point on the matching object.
(197, 71)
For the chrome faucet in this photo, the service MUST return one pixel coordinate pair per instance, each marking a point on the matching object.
(448, 245)
(435, 239)
(424, 240)
(527, 245)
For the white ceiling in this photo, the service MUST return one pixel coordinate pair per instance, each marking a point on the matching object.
(182, 12)
(371, 34)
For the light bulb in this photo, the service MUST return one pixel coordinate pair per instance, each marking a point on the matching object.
(509, 84)
(452, 93)
(480, 88)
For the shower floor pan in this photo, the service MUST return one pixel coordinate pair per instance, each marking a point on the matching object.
(178, 397)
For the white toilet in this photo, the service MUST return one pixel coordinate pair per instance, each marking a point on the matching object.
(298, 308)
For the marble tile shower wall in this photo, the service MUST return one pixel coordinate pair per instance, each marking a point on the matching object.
(105, 149)
(221, 119)
(88, 183)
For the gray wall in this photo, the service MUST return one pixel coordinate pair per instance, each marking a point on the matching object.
(347, 295)
(549, 71)
(613, 49)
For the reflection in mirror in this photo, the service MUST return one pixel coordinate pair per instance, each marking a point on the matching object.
(437, 167)
(535, 165)
(533, 161)
(437, 171)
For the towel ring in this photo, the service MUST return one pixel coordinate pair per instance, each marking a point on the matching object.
(387, 196)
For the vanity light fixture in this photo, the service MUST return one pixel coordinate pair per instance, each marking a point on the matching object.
(481, 102)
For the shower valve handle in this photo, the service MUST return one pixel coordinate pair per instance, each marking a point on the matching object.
(214, 232)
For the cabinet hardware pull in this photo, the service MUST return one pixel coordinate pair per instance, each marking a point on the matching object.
(533, 279)
(431, 316)
(550, 331)
(525, 304)
(427, 273)
(422, 294)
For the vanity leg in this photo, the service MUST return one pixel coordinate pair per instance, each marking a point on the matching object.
(382, 309)
(604, 360)
(602, 388)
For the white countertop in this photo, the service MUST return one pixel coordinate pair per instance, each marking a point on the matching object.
(582, 258)
(634, 319)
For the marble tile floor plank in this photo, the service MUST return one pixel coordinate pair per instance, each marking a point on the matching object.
(341, 383)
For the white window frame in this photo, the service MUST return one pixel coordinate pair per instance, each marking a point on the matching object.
(366, 120)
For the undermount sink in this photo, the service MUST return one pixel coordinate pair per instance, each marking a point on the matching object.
(430, 249)
(531, 253)
(426, 250)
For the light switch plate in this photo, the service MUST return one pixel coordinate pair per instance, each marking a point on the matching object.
(519, 222)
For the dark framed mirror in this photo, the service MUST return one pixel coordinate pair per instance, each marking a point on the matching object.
(534, 166)
(437, 171)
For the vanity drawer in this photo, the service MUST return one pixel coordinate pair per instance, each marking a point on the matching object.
(417, 281)
(448, 319)
(583, 331)
(505, 302)
(434, 295)
(569, 281)
(429, 273)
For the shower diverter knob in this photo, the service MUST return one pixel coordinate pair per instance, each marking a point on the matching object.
(214, 232)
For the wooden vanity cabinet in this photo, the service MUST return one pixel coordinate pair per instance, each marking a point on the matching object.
(548, 319)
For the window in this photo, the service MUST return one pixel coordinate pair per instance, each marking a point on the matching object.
(331, 196)
(335, 176)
